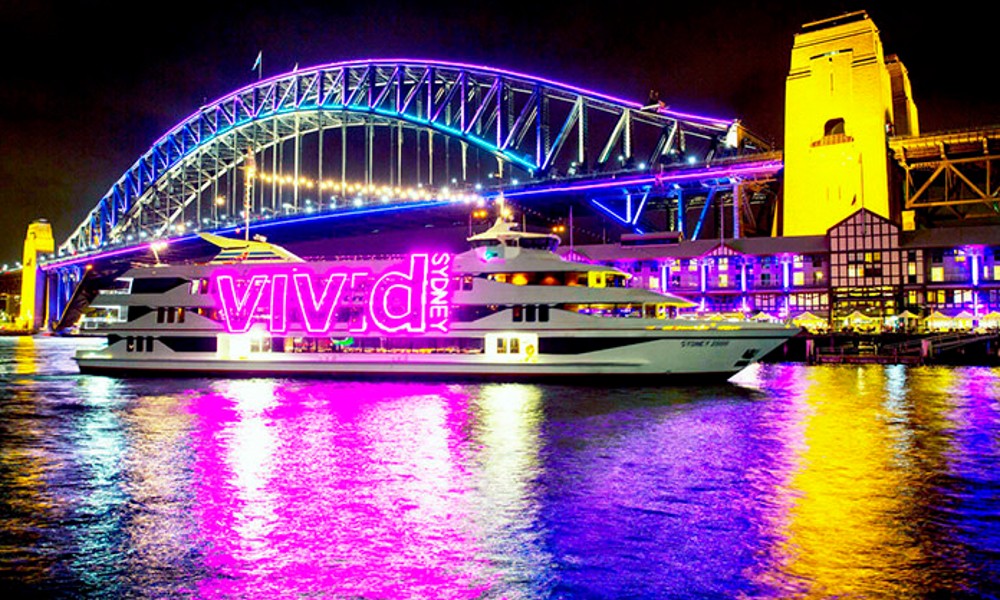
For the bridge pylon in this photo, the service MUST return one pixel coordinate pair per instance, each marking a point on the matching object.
(843, 100)
(37, 241)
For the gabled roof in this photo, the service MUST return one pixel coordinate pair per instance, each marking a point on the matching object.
(861, 213)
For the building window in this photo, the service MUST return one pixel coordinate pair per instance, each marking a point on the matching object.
(937, 274)
(834, 127)
(723, 280)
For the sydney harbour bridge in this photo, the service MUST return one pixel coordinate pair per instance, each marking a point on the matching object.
(354, 142)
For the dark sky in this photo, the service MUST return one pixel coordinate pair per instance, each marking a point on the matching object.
(87, 89)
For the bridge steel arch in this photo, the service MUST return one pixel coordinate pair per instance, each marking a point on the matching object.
(537, 131)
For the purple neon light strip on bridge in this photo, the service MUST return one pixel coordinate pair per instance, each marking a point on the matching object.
(640, 180)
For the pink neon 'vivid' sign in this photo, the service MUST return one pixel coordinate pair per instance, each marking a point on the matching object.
(411, 297)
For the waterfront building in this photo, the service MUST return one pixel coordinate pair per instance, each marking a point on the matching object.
(864, 273)
(872, 231)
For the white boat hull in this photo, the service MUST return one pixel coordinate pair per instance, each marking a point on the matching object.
(672, 356)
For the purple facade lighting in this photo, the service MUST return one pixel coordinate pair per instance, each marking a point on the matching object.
(408, 298)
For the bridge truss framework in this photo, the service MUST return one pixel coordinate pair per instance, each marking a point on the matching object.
(388, 125)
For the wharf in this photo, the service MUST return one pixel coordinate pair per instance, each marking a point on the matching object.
(14, 332)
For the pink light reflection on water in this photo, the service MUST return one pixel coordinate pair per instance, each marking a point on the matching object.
(345, 489)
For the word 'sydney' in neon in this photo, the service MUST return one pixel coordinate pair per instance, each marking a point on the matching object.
(402, 300)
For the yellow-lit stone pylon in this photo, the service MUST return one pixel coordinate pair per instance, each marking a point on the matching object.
(38, 241)
(842, 100)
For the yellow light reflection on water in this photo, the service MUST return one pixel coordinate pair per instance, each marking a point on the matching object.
(845, 486)
(25, 355)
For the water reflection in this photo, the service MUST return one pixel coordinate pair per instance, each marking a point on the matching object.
(308, 487)
(870, 486)
(795, 482)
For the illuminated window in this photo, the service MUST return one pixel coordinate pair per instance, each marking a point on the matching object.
(693, 265)
(817, 276)
(937, 274)
(911, 269)
(723, 280)
(996, 272)
(723, 263)
(798, 278)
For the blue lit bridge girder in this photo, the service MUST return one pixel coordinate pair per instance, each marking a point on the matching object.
(392, 123)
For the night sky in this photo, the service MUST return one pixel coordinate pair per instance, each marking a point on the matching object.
(87, 89)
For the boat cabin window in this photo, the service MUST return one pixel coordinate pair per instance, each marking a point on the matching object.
(165, 314)
(156, 285)
(519, 347)
(540, 243)
(530, 313)
(607, 310)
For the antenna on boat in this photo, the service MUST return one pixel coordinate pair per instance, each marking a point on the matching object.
(250, 172)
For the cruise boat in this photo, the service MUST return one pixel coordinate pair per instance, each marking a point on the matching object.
(509, 307)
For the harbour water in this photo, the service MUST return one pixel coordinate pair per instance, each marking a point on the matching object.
(847, 481)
